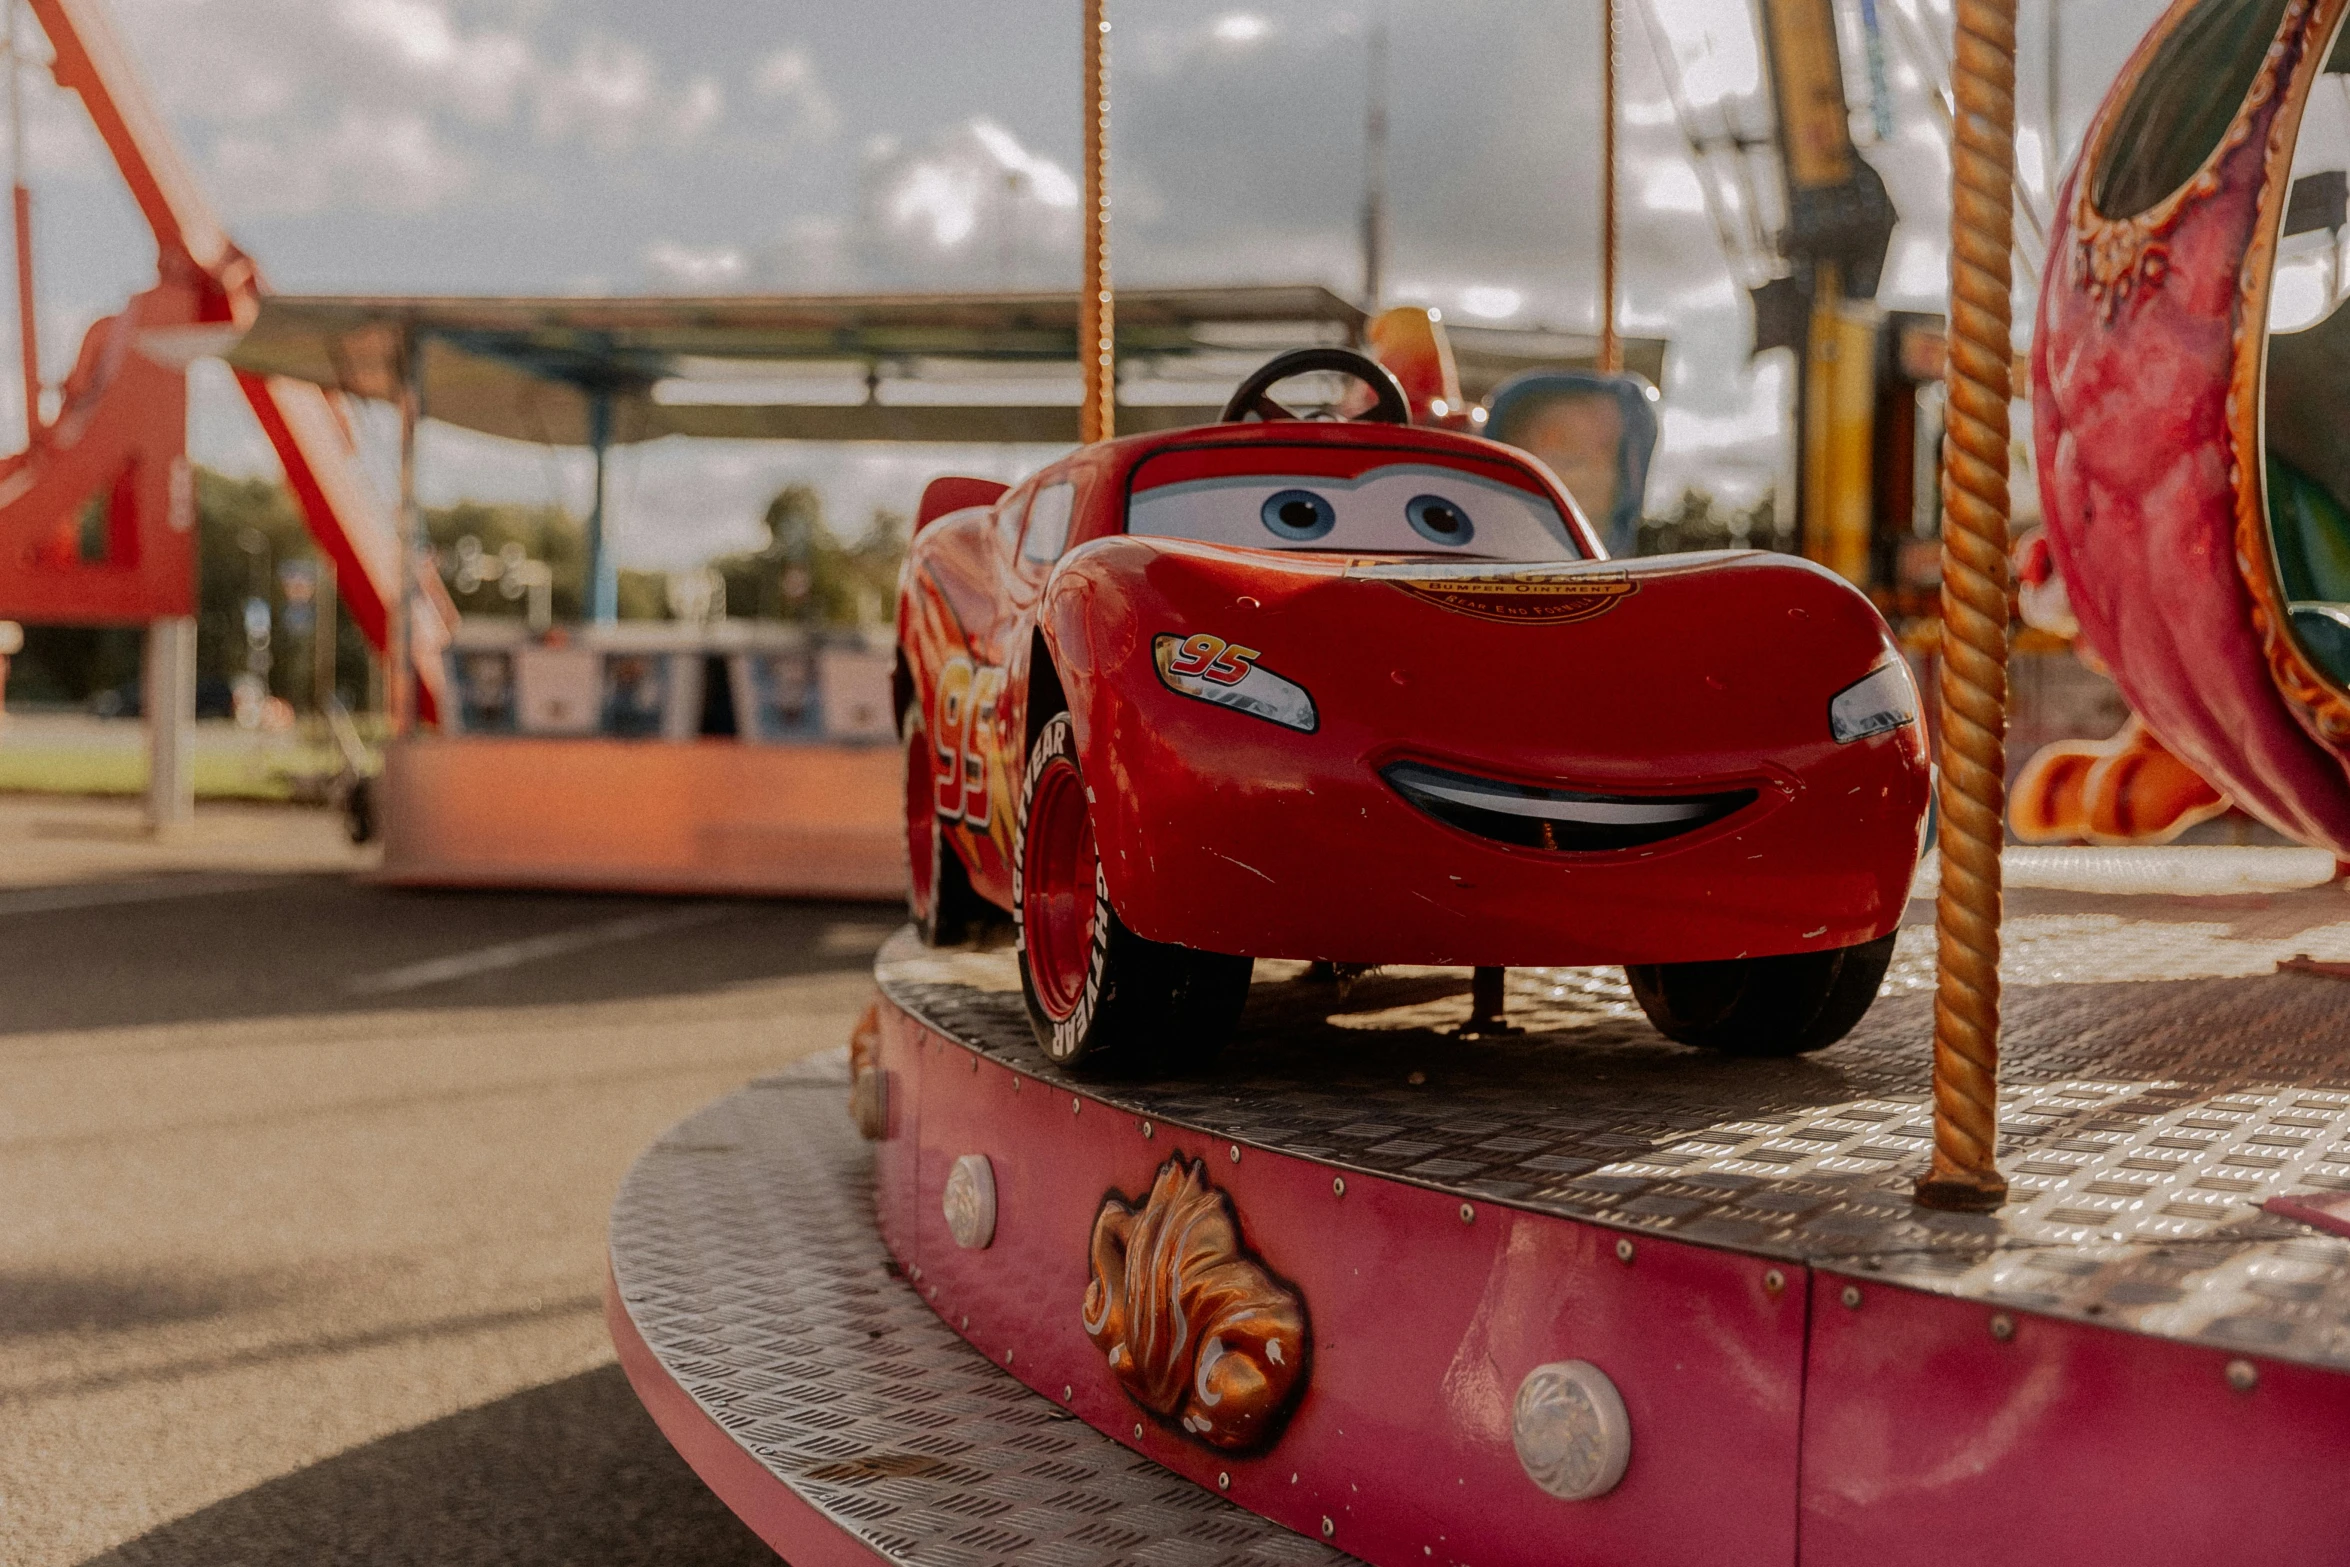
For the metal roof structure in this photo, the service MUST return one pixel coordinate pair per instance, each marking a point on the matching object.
(829, 367)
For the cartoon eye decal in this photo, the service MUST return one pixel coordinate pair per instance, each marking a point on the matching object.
(1298, 515)
(1437, 519)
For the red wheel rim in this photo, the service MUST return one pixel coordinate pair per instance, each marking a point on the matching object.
(1057, 889)
(921, 824)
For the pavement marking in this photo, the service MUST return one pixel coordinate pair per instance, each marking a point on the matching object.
(93, 895)
(513, 954)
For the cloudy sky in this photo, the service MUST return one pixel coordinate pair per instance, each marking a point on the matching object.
(578, 146)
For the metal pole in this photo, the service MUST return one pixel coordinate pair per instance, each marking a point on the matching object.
(27, 327)
(1965, 1173)
(603, 571)
(1375, 161)
(1611, 347)
(322, 638)
(2054, 159)
(1097, 327)
(170, 702)
(400, 670)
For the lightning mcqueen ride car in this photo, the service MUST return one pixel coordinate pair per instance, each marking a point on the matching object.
(1371, 693)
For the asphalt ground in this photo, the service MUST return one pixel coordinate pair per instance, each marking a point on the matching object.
(302, 1200)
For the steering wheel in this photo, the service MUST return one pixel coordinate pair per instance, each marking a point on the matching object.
(1253, 395)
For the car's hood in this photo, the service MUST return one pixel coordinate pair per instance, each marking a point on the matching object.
(1641, 674)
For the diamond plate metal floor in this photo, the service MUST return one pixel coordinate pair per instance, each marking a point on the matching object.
(744, 1250)
(2162, 1080)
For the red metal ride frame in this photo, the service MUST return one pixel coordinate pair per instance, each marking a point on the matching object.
(121, 429)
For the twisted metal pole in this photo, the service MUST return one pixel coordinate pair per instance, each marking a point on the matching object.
(1965, 1174)
(1611, 346)
(1097, 333)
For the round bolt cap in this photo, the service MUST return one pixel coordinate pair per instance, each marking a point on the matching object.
(1623, 1251)
(1570, 1429)
(1468, 1214)
(1338, 1185)
(2002, 1326)
(2243, 1375)
(1851, 1297)
(969, 1202)
(1774, 1280)
(1329, 1527)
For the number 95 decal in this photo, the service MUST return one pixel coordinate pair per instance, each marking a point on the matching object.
(1210, 669)
(1210, 658)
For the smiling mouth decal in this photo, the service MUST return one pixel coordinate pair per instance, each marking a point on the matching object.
(1563, 820)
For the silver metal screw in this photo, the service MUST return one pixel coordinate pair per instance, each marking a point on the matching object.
(1623, 1251)
(1851, 1297)
(1148, 1131)
(1068, 1393)
(1138, 1430)
(1338, 1185)
(1223, 1480)
(1468, 1214)
(1774, 1281)
(1075, 1104)
(1329, 1528)
(1235, 1150)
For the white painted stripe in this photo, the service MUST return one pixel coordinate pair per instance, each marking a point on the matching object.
(533, 949)
(102, 894)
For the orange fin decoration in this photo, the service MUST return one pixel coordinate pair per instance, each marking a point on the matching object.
(2129, 789)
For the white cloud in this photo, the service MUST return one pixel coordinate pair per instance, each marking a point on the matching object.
(974, 194)
(703, 270)
(1239, 27)
(786, 81)
(369, 160)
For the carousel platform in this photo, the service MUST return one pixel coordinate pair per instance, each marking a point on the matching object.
(1570, 1293)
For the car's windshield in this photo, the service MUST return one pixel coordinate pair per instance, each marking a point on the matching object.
(1356, 500)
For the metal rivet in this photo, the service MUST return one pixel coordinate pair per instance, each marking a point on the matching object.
(1468, 1214)
(1148, 1131)
(1338, 1184)
(2002, 1326)
(1068, 1393)
(1138, 1430)
(1007, 1357)
(1774, 1280)
(1328, 1528)
(1851, 1297)
(966, 1322)
(974, 1066)
(1623, 1251)
(1223, 1480)
(2243, 1375)
(1075, 1104)
(1235, 1153)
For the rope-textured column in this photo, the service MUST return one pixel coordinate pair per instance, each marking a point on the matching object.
(1974, 614)
(1097, 331)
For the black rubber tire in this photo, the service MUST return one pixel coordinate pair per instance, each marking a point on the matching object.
(954, 911)
(1149, 1008)
(1783, 1006)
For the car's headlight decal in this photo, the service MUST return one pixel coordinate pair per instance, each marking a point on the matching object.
(1883, 699)
(1212, 670)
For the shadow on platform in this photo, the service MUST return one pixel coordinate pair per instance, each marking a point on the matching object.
(573, 1474)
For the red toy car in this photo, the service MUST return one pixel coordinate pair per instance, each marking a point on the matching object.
(1371, 693)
